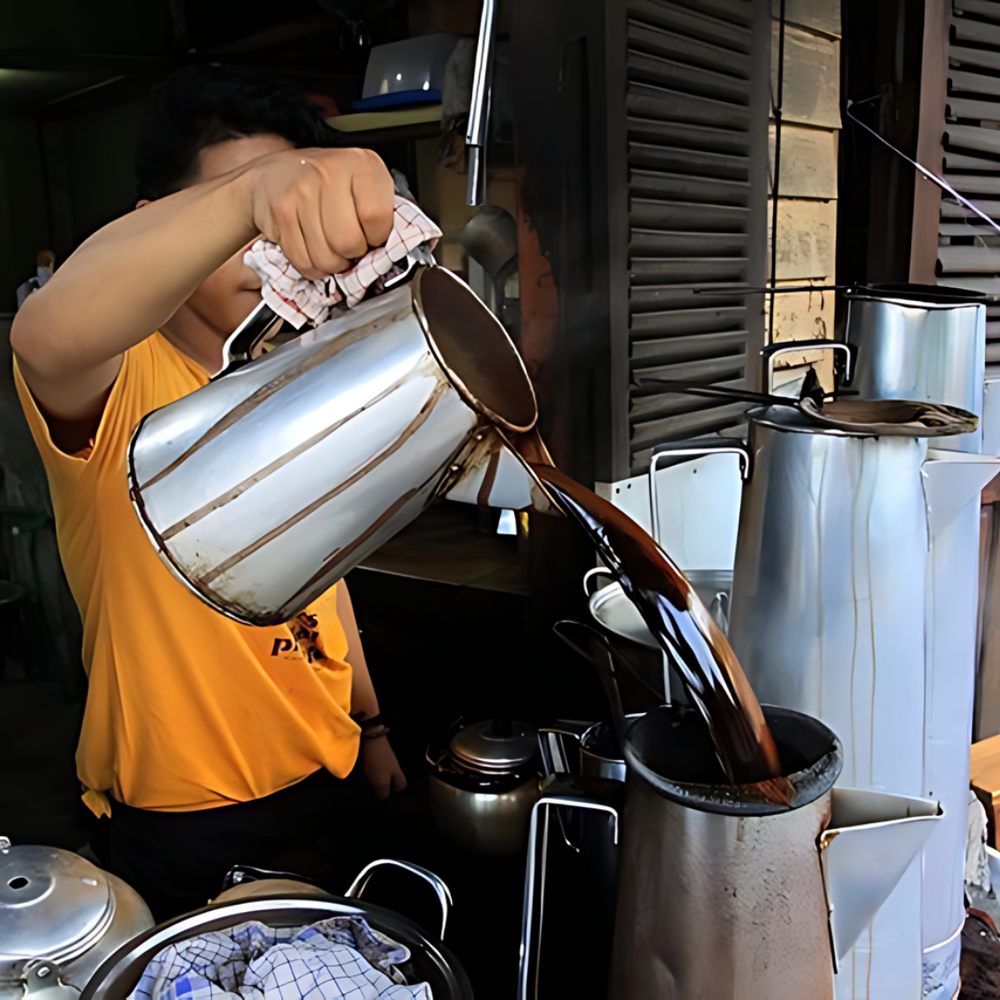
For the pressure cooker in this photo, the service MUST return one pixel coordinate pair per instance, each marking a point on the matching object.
(483, 784)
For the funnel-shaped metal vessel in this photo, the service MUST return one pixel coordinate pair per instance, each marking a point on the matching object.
(722, 892)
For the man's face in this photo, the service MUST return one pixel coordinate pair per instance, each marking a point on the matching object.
(228, 295)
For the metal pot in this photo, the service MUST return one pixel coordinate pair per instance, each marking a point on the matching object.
(597, 753)
(483, 786)
(263, 488)
(60, 918)
(287, 903)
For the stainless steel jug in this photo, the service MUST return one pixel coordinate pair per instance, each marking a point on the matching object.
(723, 894)
(263, 488)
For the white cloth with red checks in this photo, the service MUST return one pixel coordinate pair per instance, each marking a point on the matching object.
(300, 300)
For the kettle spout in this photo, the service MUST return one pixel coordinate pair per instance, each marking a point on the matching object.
(864, 852)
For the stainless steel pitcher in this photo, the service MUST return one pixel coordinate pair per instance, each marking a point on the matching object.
(263, 488)
(724, 894)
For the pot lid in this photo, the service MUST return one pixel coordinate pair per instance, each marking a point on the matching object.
(496, 744)
(53, 904)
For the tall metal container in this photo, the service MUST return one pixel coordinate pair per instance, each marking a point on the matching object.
(929, 343)
(920, 342)
(828, 617)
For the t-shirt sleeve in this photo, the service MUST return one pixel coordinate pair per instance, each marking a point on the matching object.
(132, 395)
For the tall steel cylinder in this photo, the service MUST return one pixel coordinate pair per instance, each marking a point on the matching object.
(929, 343)
(827, 618)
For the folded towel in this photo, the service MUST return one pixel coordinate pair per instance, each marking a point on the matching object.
(300, 300)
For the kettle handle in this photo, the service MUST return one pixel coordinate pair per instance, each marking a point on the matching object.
(577, 792)
(359, 884)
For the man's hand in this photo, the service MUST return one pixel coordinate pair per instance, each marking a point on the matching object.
(138, 274)
(381, 767)
(323, 207)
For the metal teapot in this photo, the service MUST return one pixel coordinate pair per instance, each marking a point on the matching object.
(60, 918)
(263, 488)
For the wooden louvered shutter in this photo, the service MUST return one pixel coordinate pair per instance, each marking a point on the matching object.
(695, 122)
(969, 250)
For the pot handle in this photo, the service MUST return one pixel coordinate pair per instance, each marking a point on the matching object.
(577, 792)
(590, 574)
(359, 884)
(551, 749)
(769, 354)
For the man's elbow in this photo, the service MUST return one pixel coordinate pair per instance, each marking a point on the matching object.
(30, 345)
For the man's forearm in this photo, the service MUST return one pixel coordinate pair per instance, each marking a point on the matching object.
(131, 276)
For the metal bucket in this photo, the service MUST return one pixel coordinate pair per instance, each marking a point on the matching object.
(263, 488)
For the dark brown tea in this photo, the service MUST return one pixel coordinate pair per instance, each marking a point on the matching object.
(674, 613)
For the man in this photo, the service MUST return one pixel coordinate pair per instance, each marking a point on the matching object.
(204, 742)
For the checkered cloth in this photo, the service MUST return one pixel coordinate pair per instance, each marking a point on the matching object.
(302, 301)
(337, 957)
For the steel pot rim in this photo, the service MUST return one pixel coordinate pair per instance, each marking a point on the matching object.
(739, 800)
(117, 976)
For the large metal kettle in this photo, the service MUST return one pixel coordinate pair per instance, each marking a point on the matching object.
(263, 488)
(60, 918)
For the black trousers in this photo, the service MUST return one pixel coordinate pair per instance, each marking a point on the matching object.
(177, 861)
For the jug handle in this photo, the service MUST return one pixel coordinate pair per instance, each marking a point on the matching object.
(238, 349)
(577, 792)
(727, 447)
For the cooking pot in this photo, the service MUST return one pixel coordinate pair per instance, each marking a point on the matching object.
(280, 902)
(60, 918)
(483, 786)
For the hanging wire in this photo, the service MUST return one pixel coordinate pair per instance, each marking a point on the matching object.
(929, 174)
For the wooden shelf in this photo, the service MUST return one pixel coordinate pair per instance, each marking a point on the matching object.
(444, 545)
(402, 123)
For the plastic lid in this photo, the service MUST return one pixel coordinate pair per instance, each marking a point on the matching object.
(496, 744)
(53, 904)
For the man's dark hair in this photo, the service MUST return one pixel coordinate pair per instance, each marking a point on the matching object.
(199, 106)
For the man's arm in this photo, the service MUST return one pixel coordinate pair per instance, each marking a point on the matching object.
(322, 206)
(377, 758)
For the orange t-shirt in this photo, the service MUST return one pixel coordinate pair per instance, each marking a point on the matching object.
(186, 709)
